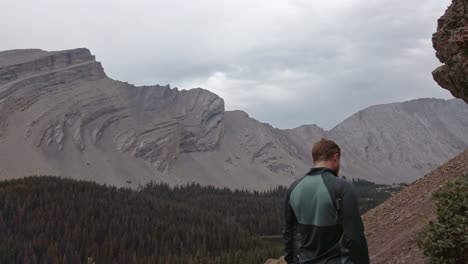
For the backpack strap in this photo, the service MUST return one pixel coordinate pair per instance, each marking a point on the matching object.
(338, 194)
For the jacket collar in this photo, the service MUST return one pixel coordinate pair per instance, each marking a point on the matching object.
(320, 170)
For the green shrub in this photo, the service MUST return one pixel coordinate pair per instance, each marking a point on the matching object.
(446, 241)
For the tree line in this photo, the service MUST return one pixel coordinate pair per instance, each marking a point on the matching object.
(55, 220)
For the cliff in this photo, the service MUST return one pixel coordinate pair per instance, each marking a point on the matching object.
(451, 43)
(61, 114)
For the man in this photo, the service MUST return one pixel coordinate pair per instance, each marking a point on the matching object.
(322, 211)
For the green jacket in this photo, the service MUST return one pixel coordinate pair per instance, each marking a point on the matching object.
(325, 233)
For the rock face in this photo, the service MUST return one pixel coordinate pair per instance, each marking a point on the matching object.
(451, 43)
(252, 155)
(403, 141)
(61, 115)
(390, 143)
(61, 110)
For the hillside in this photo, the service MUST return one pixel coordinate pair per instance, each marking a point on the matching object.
(61, 115)
(404, 141)
(392, 226)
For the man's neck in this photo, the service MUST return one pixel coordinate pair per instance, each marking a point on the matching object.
(323, 164)
(326, 165)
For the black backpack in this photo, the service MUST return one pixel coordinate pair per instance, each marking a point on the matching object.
(338, 194)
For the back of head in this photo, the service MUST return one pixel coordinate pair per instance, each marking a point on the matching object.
(324, 150)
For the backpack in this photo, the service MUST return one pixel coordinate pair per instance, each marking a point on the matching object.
(338, 193)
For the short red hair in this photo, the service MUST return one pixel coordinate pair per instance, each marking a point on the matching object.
(324, 150)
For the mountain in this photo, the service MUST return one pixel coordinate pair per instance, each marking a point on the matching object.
(403, 141)
(451, 43)
(61, 115)
(251, 155)
(391, 227)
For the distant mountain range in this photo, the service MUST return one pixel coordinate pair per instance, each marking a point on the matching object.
(61, 115)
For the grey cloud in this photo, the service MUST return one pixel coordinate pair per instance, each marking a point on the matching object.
(285, 62)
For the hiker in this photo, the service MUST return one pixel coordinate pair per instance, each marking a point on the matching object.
(321, 210)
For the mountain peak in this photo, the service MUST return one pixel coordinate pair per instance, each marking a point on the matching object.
(31, 64)
(75, 121)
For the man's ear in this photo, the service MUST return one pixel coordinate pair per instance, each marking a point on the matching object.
(336, 156)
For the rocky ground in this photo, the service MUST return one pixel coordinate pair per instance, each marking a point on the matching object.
(391, 227)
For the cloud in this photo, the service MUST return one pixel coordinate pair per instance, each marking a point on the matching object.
(285, 62)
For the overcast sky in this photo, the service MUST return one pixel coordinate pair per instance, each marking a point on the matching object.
(285, 62)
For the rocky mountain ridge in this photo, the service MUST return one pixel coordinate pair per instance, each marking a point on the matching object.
(405, 140)
(61, 115)
(62, 106)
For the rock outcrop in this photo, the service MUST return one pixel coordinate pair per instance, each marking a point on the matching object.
(451, 43)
